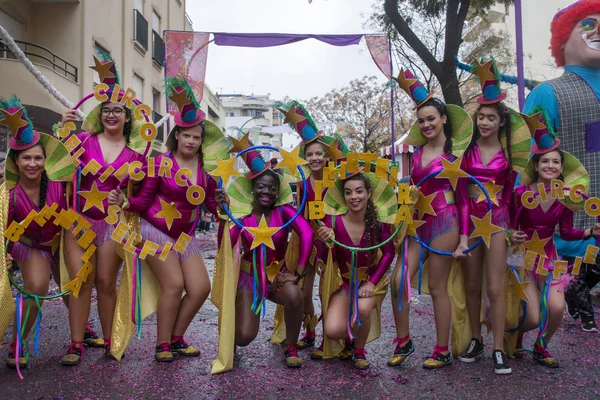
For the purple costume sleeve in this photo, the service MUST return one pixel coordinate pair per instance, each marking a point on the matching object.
(143, 198)
(387, 255)
(567, 231)
(462, 199)
(210, 188)
(304, 231)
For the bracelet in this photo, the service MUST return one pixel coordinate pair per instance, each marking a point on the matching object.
(299, 277)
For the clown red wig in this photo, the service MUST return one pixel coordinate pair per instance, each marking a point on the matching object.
(563, 23)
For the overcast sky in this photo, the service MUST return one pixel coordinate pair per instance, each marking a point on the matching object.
(300, 70)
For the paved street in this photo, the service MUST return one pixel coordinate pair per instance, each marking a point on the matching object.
(260, 373)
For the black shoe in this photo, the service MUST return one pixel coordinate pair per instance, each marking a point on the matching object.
(475, 350)
(588, 324)
(501, 363)
(571, 307)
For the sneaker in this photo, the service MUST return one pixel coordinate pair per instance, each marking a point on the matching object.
(11, 361)
(163, 353)
(347, 353)
(475, 350)
(438, 360)
(308, 340)
(500, 363)
(359, 359)
(318, 354)
(542, 356)
(181, 348)
(90, 338)
(588, 324)
(291, 357)
(74, 355)
(401, 353)
(571, 307)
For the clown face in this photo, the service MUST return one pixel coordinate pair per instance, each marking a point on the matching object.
(583, 46)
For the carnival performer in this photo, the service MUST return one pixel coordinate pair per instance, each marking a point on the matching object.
(534, 228)
(499, 145)
(37, 166)
(110, 141)
(442, 133)
(572, 103)
(318, 150)
(263, 273)
(168, 209)
(353, 220)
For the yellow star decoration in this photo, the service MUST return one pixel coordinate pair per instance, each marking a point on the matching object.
(484, 228)
(423, 205)
(273, 270)
(263, 234)
(413, 226)
(484, 71)
(452, 171)
(362, 273)
(493, 190)
(225, 169)
(290, 116)
(94, 198)
(180, 98)
(239, 145)
(536, 244)
(333, 152)
(404, 83)
(291, 160)
(168, 211)
(103, 69)
(533, 122)
(14, 121)
(519, 289)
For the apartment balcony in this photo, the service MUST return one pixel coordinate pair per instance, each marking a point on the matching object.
(474, 28)
(158, 49)
(140, 30)
(160, 131)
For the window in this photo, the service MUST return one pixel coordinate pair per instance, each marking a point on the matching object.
(139, 5)
(231, 114)
(156, 115)
(158, 47)
(155, 21)
(138, 87)
(156, 100)
(140, 25)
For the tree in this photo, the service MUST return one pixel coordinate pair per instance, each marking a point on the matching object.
(360, 113)
(438, 47)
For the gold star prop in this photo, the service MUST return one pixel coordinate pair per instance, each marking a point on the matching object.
(413, 226)
(484, 228)
(225, 169)
(290, 116)
(94, 198)
(273, 269)
(362, 273)
(332, 150)
(263, 234)
(533, 122)
(180, 98)
(484, 71)
(239, 145)
(103, 70)
(452, 171)
(291, 160)
(403, 82)
(14, 121)
(536, 244)
(493, 190)
(519, 289)
(168, 211)
(423, 205)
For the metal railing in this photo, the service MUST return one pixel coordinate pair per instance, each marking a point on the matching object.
(42, 56)
(160, 131)
(140, 29)
(158, 48)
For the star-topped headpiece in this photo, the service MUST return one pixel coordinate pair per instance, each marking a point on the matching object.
(298, 118)
(541, 130)
(411, 85)
(180, 92)
(105, 66)
(14, 115)
(253, 159)
(489, 79)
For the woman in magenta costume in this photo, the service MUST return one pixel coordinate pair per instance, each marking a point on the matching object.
(166, 213)
(442, 133)
(356, 222)
(110, 141)
(534, 228)
(263, 273)
(318, 149)
(498, 151)
(36, 166)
